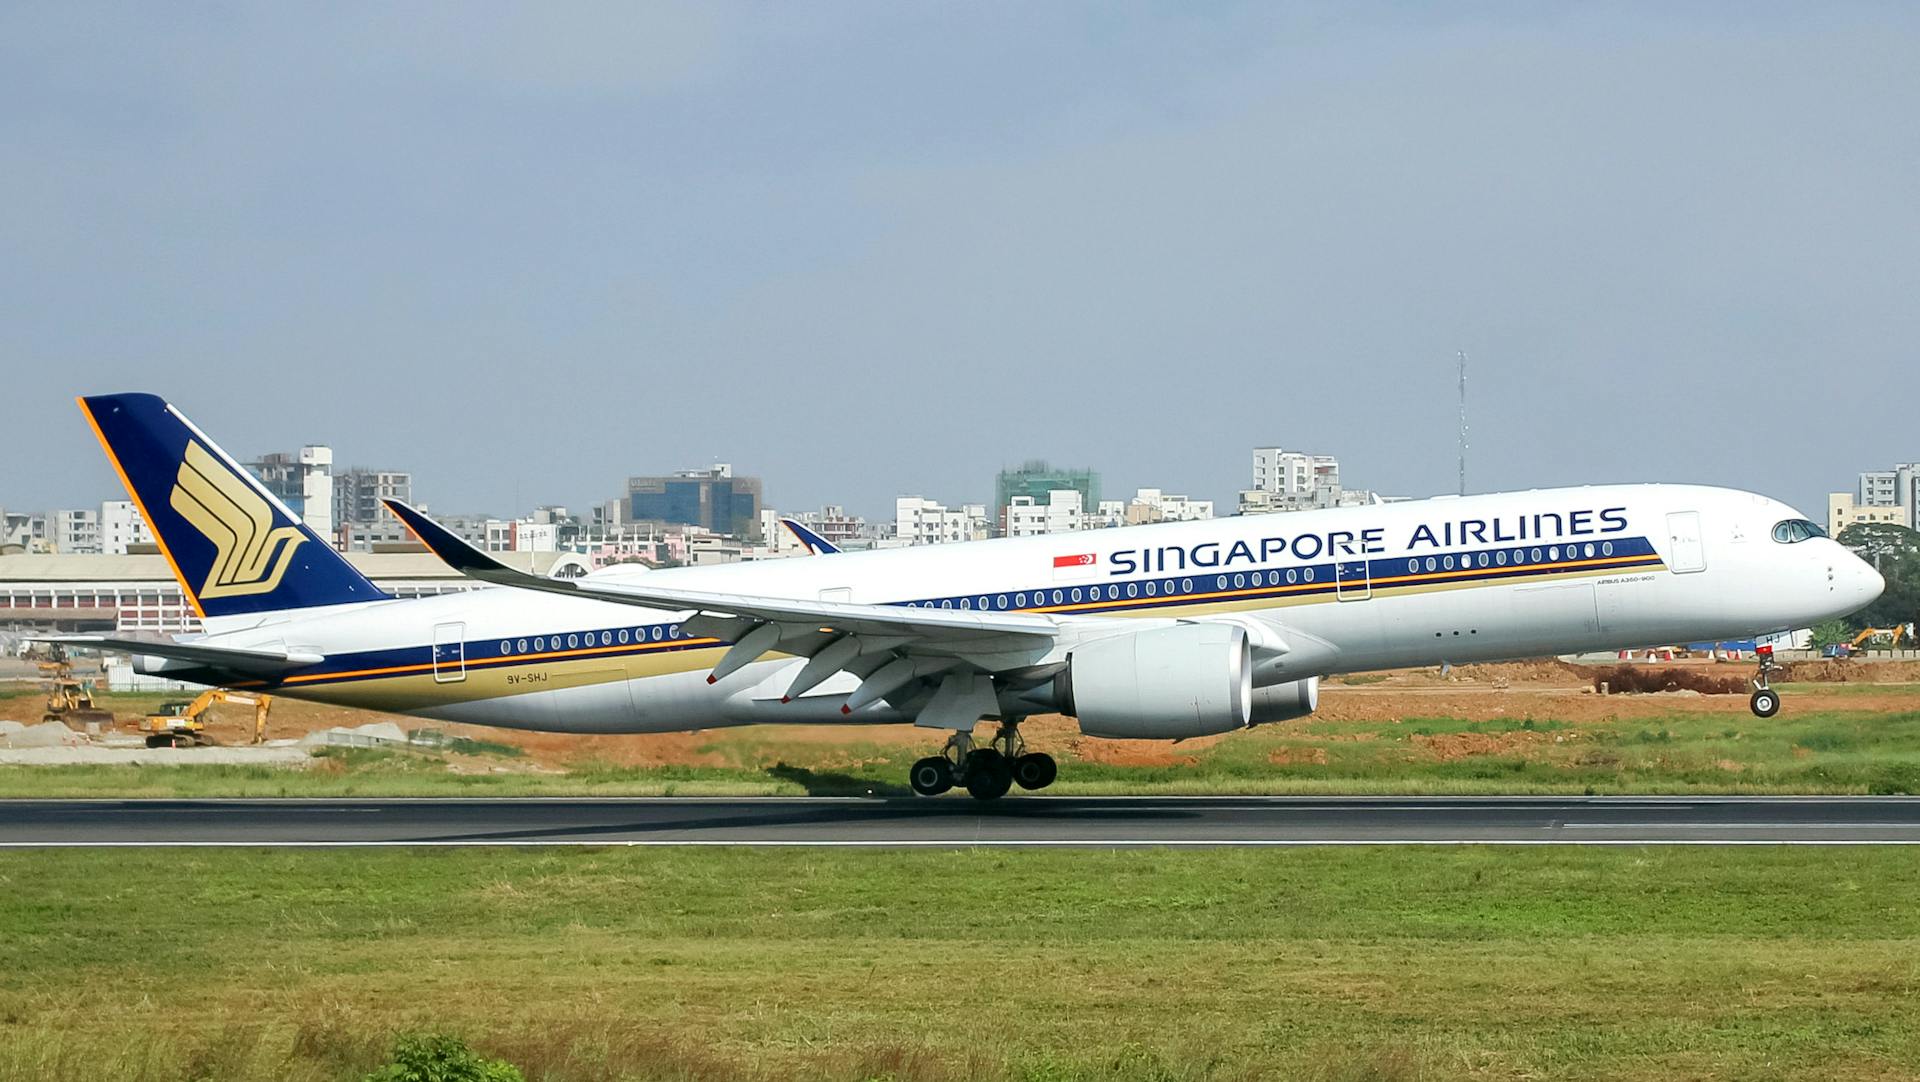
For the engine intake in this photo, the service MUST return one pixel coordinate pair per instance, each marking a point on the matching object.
(1168, 683)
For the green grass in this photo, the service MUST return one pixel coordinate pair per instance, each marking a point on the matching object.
(1684, 750)
(1484, 963)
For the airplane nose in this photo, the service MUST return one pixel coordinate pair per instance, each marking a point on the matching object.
(1869, 583)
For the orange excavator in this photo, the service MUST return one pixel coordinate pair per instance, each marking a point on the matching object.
(183, 724)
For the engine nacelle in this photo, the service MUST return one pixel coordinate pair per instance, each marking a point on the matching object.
(1168, 683)
(1285, 702)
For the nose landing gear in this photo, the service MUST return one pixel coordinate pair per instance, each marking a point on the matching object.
(986, 773)
(1765, 702)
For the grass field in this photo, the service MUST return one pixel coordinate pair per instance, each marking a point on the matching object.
(1391, 964)
(1832, 739)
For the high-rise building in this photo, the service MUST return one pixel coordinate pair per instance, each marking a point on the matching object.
(304, 482)
(1036, 480)
(713, 498)
(1295, 481)
(1898, 487)
(357, 493)
(123, 529)
(76, 531)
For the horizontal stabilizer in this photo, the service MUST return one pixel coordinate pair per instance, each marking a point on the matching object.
(245, 661)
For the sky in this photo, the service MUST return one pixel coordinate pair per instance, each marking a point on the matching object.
(871, 250)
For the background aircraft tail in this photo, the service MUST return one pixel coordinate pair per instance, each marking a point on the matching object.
(235, 547)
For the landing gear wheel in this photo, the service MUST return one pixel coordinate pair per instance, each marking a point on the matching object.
(1765, 703)
(989, 776)
(931, 776)
(1034, 770)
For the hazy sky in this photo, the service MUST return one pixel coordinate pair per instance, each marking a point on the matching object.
(872, 250)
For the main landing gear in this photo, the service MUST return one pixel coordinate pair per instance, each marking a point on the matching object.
(986, 773)
(1765, 702)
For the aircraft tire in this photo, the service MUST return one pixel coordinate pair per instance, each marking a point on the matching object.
(931, 776)
(1035, 770)
(1765, 703)
(989, 775)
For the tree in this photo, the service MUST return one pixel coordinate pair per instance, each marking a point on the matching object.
(1875, 541)
(1895, 551)
(1828, 632)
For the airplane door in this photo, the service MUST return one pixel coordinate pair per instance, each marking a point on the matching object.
(1352, 579)
(1683, 537)
(449, 653)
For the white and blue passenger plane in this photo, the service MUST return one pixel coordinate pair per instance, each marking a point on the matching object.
(1162, 632)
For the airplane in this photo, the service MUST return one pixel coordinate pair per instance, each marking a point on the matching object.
(1167, 631)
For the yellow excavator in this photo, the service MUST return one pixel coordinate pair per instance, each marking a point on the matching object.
(183, 724)
(1897, 632)
(69, 700)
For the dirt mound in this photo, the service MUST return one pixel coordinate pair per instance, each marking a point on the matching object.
(1834, 671)
(1634, 680)
(1546, 670)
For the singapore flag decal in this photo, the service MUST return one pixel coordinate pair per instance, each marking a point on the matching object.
(1079, 566)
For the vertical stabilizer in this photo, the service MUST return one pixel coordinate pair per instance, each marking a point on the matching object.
(236, 548)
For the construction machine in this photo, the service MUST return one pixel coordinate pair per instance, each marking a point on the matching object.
(1897, 632)
(69, 700)
(183, 724)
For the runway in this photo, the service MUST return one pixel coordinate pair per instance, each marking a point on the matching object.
(954, 822)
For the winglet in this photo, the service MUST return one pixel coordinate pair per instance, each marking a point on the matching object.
(451, 549)
(814, 542)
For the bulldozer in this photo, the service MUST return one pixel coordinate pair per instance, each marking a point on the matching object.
(69, 699)
(183, 724)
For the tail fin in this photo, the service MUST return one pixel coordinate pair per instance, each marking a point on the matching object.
(236, 549)
(816, 545)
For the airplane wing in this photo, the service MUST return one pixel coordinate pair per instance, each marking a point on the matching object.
(246, 662)
(891, 647)
(816, 544)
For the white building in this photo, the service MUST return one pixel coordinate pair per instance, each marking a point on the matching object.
(924, 522)
(25, 530)
(1064, 512)
(1291, 481)
(304, 482)
(76, 532)
(521, 535)
(1898, 488)
(1150, 505)
(122, 527)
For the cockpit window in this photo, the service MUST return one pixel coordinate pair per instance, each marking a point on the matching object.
(1795, 530)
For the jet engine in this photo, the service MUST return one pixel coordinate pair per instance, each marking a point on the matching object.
(1285, 702)
(1163, 684)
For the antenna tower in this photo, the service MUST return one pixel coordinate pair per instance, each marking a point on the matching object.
(1463, 422)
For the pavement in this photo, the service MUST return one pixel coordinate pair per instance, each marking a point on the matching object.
(958, 821)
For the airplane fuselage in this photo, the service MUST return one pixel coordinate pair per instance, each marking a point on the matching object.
(1467, 579)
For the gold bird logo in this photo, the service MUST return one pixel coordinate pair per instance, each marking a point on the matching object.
(250, 554)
